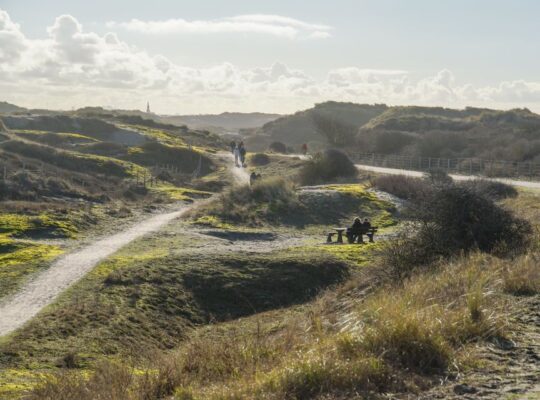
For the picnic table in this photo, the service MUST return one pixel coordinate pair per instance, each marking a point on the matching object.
(369, 231)
(339, 235)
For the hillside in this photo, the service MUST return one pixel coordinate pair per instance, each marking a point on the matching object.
(300, 127)
(6, 108)
(65, 177)
(228, 121)
(512, 135)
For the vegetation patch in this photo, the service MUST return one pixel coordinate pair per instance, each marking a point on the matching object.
(150, 300)
(179, 193)
(327, 166)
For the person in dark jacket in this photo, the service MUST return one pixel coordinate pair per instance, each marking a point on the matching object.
(233, 146)
(355, 231)
(242, 154)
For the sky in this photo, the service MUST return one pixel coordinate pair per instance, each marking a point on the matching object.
(211, 56)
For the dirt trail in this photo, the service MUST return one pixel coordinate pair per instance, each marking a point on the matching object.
(418, 174)
(240, 175)
(45, 287)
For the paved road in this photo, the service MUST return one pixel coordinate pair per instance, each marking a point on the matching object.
(393, 171)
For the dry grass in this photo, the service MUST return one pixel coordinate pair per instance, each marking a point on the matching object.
(522, 277)
(384, 343)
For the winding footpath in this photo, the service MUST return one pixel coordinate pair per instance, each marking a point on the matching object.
(41, 291)
(45, 287)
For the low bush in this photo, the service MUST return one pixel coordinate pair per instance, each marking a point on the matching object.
(438, 177)
(327, 166)
(278, 147)
(451, 220)
(404, 187)
(268, 199)
(259, 159)
(491, 189)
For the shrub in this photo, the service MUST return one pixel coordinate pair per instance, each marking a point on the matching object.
(278, 147)
(492, 189)
(438, 177)
(454, 219)
(464, 220)
(404, 187)
(269, 199)
(259, 159)
(327, 166)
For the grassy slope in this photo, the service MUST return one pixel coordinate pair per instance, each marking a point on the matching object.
(64, 168)
(400, 338)
(151, 294)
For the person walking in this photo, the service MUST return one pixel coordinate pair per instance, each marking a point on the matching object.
(304, 149)
(233, 146)
(236, 153)
(242, 155)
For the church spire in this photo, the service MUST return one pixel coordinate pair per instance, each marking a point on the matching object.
(148, 107)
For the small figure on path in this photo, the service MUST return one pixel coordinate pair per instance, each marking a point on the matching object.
(304, 149)
(233, 146)
(253, 177)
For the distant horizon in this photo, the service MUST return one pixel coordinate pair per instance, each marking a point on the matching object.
(143, 110)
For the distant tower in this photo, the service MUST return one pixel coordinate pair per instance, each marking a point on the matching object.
(148, 107)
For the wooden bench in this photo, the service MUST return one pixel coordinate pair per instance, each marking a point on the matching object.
(369, 232)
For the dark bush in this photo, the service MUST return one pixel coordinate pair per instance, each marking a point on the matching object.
(404, 187)
(454, 219)
(491, 189)
(259, 159)
(278, 147)
(324, 167)
(438, 177)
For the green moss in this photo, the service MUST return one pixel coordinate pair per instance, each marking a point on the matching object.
(214, 222)
(15, 382)
(384, 216)
(20, 225)
(179, 193)
(355, 254)
(65, 135)
(158, 134)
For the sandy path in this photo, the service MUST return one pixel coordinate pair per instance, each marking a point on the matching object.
(393, 171)
(45, 287)
(240, 175)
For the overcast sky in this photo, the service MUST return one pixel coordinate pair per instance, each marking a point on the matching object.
(210, 56)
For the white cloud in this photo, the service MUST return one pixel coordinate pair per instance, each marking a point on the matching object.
(12, 41)
(257, 23)
(74, 68)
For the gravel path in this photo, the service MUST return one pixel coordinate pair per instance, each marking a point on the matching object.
(45, 287)
(418, 174)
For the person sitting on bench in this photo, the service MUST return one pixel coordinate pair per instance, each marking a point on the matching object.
(367, 229)
(355, 231)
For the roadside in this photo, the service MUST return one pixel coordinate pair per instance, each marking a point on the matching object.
(418, 174)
